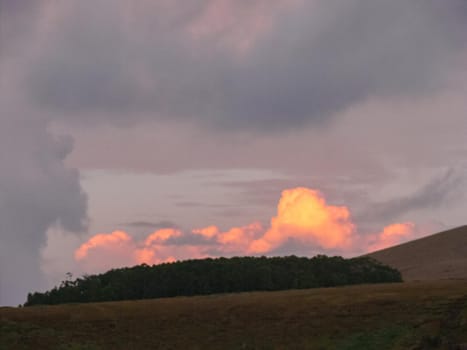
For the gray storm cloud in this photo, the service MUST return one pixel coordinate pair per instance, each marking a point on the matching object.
(115, 61)
(36, 192)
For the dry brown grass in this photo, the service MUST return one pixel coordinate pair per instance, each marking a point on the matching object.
(389, 316)
(439, 256)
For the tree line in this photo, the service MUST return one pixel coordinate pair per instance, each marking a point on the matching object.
(220, 275)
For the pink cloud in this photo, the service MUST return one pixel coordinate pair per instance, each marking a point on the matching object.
(392, 235)
(237, 25)
(303, 215)
(106, 250)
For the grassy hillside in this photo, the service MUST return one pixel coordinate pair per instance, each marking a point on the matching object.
(416, 315)
(439, 256)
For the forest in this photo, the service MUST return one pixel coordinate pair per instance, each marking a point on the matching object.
(220, 275)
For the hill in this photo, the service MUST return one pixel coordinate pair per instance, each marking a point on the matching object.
(439, 256)
(413, 315)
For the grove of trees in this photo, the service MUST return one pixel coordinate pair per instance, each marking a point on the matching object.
(220, 275)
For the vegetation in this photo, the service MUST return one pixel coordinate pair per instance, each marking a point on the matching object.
(415, 315)
(222, 275)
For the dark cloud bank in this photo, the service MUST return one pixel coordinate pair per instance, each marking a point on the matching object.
(36, 192)
(96, 64)
(317, 59)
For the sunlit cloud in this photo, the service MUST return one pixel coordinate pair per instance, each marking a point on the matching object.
(115, 239)
(392, 235)
(161, 236)
(303, 216)
(207, 232)
(105, 251)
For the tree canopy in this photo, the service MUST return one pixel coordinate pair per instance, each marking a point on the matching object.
(220, 275)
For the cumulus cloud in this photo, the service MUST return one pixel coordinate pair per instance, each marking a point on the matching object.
(392, 235)
(159, 247)
(117, 249)
(303, 217)
(105, 251)
(234, 240)
(207, 232)
(116, 238)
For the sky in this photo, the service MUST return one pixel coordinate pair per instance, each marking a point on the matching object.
(153, 131)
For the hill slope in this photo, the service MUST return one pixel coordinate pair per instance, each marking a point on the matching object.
(439, 256)
(413, 315)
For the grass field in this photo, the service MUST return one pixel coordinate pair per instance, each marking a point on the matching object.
(415, 315)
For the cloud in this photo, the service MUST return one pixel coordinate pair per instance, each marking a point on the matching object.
(18, 17)
(235, 240)
(233, 26)
(304, 223)
(150, 225)
(161, 235)
(193, 204)
(37, 192)
(437, 192)
(116, 238)
(207, 232)
(240, 237)
(150, 252)
(105, 251)
(118, 249)
(392, 235)
(299, 62)
(304, 215)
